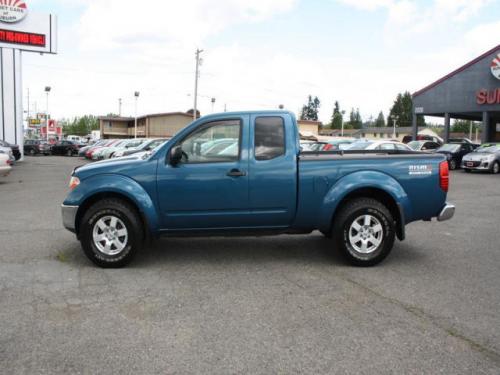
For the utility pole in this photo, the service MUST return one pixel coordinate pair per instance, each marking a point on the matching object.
(213, 103)
(196, 76)
(47, 90)
(136, 95)
(394, 119)
(119, 107)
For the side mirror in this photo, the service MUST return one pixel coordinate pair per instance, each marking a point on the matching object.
(175, 155)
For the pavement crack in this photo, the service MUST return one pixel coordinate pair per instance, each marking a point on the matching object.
(420, 313)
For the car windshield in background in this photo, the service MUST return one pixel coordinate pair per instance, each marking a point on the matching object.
(449, 147)
(488, 148)
(415, 145)
(359, 146)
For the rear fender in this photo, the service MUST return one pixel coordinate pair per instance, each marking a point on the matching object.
(350, 183)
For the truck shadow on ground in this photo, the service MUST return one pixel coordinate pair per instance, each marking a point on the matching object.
(307, 249)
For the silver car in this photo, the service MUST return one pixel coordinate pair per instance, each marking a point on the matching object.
(484, 158)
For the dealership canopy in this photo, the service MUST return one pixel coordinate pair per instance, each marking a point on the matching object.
(471, 92)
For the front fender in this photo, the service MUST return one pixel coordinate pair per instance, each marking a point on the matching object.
(361, 180)
(117, 184)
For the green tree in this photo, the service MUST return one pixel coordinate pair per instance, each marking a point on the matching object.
(355, 121)
(463, 126)
(80, 125)
(402, 110)
(337, 117)
(380, 121)
(310, 110)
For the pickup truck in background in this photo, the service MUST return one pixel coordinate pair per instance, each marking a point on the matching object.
(244, 173)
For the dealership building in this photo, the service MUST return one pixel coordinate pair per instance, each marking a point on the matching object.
(472, 92)
(159, 125)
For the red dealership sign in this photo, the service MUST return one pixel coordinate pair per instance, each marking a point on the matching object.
(19, 37)
(488, 96)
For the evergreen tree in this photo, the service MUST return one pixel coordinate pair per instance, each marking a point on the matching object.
(355, 121)
(337, 117)
(310, 110)
(380, 121)
(403, 110)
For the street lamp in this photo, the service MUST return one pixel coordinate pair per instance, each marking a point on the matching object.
(136, 95)
(47, 91)
(394, 119)
(213, 103)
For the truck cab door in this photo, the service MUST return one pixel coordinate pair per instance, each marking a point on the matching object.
(273, 170)
(208, 188)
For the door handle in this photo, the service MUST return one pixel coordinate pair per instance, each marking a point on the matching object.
(236, 173)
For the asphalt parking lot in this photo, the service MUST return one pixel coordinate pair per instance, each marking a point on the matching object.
(285, 304)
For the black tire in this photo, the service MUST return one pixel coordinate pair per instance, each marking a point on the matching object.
(495, 167)
(453, 164)
(351, 212)
(128, 215)
(69, 152)
(32, 152)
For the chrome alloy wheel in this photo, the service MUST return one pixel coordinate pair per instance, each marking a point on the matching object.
(365, 234)
(110, 235)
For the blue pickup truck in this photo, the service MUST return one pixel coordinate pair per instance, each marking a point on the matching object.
(244, 173)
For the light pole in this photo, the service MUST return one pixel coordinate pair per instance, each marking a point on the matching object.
(136, 95)
(394, 119)
(119, 107)
(198, 63)
(213, 103)
(47, 91)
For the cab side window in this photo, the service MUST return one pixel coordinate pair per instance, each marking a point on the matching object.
(269, 138)
(217, 141)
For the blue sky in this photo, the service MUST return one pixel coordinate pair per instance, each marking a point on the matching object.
(258, 54)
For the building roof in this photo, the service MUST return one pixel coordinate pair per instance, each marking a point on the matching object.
(126, 119)
(462, 68)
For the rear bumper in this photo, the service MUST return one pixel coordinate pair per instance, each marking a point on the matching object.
(69, 217)
(447, 212)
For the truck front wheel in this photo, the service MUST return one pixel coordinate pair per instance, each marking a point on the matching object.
(111, 233)
(364, 231)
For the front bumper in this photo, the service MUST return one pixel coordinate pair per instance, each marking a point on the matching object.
(476, 165)
(69, 217)
(447, 212)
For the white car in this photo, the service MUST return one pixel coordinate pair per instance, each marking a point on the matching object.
(367, 144)
(8, 151)
(5, 163)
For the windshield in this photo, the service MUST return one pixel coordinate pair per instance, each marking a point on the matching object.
(449, 147)
(490, 148)
(359, 146)
(415, 145)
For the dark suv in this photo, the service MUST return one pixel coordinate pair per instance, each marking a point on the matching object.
(35, 147)
(68, 148)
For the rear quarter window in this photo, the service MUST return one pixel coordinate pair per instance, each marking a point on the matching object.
(269, 139)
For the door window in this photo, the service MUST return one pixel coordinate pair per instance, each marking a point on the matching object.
(269, 138)
(386, 146)
(213, 142)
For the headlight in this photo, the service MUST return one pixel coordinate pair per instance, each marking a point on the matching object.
(74, 182)
(488, 158)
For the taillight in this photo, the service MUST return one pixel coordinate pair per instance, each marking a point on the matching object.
(444, 176)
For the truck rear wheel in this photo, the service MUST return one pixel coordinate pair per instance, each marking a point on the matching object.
(111, 233)
(364, 231)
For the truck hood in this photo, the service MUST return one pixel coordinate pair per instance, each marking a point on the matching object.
(116, 166)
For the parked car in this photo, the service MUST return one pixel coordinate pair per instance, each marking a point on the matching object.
(14, 148)
(107, 143)
(425, 146)
(68, 148)
(35, 147)
(378, 145)
(5, 164)
(454, 153)
(363, 199)
(331, 144)
(484, 158)
(464, 140)
(84, 149)
(8, 151)
(107, 152)
(149, 145)
(422, 137)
